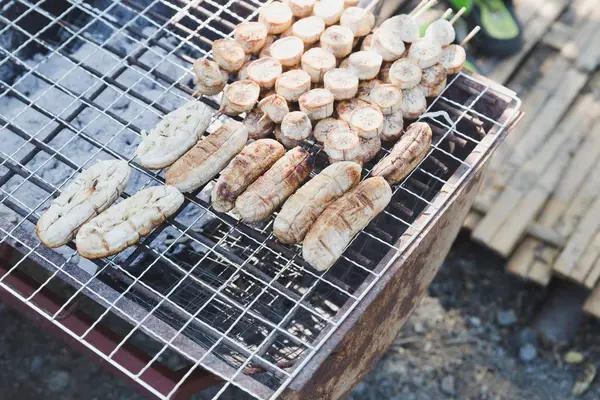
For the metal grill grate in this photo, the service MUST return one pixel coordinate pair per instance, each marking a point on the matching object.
(80, 80)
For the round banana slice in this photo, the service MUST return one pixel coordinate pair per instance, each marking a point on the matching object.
(316, 103)
(265, 71)
(239, 97)
(405, 74)
(414, 103)
(258, 125)
(441, 31)
(266, 50)
(301, 8)
(309, 29)
(342, 145)
(210, 79)
(387, 43)
(387, 97)
(275, 107)
(251, 36)
(392, 126)
(327, 125)
(432, 78)
(344, 108)
(285, 141)
(366, 64)
(276, 16)
(342, 83)
(453, 58)
(364, 89)
(229, 54)
(366, 121)
(404, 27)
(288, 51)
(296, 126)
(434, 91)
(329, 11)
(368, 149)
(316, 62)
(425, 53)
(338, 40)
(384, 72)
(367, 43)
(292, 84)
(359, 20)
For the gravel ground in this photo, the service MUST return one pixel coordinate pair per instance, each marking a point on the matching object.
(469, 339)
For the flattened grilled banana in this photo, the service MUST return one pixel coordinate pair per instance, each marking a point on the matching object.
(208, 157)
(175, 134)
(90, 193)
(245, 168)
(406, 154)
(302, 209)
(269, 191)
(341, 221)
(125, 223)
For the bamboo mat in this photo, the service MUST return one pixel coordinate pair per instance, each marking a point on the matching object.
(540, 203)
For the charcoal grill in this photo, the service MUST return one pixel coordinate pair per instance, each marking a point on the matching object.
(206, 298)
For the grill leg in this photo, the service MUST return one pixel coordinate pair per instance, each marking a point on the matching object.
(102, 338)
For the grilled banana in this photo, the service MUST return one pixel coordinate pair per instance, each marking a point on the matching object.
(302, 209)
(210, 79)
(205, 160)
(342, 220)
(406, 154)
(245, 168)
(269, 191)
(258, 125)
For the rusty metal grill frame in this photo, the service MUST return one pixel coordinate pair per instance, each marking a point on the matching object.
(232, 254)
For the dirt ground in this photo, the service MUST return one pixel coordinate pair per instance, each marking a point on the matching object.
(469, 339)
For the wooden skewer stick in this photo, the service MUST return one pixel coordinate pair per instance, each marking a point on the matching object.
(457, 15)
(418, 7)
(372, 5)
(426, 7)
(446, 14)
(470, 35)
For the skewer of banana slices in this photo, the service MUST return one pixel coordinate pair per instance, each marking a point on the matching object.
(454, 56)
(442, 30)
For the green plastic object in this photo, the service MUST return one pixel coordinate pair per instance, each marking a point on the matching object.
(496, 19)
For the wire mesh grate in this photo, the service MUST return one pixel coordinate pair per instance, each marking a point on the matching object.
(225, 296)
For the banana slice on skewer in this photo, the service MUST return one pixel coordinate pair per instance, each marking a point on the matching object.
(338, 40)
(301, 8)
(366, 121)
(285, 141)
(210, 79)
(403, 26)
(309, 29)
(276, 16)
(288, 51)
(258, 125)
(275, 107)
(344, 108)
(296, 126)
(387, 97)
(316, 104)
(392, 126)
(405, 74)
(342, 83)
(324, 126)
(365, 87)
(366, 64)
(342, 145)
(453, 58)
(425, 53)
(414, 103)
(359, 20)
(388, 43)
(368, 149)
(442, 31)
(292, 84)
(265, 71)
(229, 54)
(239, 97)
(316, 62)
(251, 36)
(433, 79)
(329, 11)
